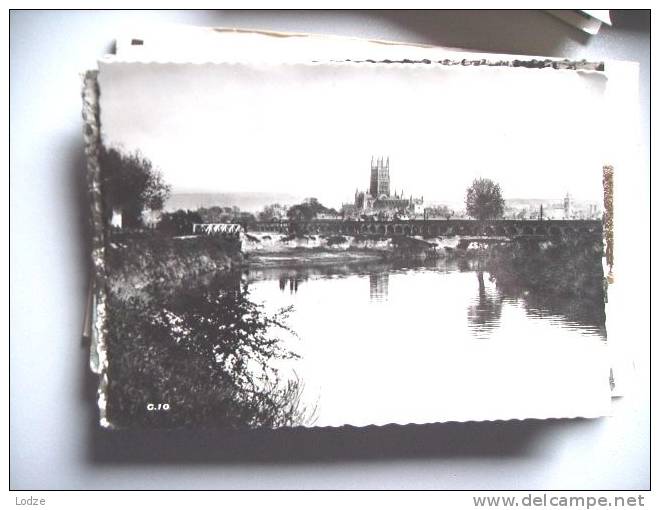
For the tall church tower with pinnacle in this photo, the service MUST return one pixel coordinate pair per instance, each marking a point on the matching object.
(379, 184)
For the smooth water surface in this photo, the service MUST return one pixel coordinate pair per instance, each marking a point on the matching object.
(386, 343)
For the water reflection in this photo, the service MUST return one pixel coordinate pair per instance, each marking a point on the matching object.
(265, 346)
(291, 282)
(562, 285)
(378, 286)
(485, 311)
(388, 341)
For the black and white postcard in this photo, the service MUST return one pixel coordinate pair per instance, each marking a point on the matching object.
(350, 243)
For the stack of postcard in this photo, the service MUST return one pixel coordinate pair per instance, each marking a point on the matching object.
(309, 231)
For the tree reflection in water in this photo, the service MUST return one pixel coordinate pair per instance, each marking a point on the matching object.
(562, 279)
(485, 314)
(210, 354)
(290, 281)
(378, 286)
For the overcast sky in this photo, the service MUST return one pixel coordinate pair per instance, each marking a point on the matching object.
(311, 130)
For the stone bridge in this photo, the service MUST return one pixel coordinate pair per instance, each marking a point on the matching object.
(439, 227)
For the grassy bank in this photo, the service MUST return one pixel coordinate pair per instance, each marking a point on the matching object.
(145, 266)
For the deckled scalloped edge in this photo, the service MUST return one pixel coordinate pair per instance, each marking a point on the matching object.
(532, 63)
(573, 65)
(608, 219)
(91, 133)
(204, 427)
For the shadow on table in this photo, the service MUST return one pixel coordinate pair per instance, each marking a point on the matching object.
(305, 445)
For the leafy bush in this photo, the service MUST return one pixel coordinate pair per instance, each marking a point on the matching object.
(208, 353)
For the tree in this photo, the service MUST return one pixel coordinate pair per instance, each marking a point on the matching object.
(215, 214)
(179, 222)
(483, 200)
(308, 210)
(130, 184)
(439, 211)
(272, 212)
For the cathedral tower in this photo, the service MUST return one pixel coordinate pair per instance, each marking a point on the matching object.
(379, 184)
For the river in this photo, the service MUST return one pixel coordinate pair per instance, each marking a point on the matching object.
(329, 338)
(447, 340)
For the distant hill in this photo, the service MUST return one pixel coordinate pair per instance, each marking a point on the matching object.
(246, 201)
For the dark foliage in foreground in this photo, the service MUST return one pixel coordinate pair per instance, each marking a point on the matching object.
(183, 331)
(210, 356)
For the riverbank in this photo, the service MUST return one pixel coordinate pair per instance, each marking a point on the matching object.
(182, 329)
(173, 300)
(142, 266)
(345, 247)
(151, 265)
